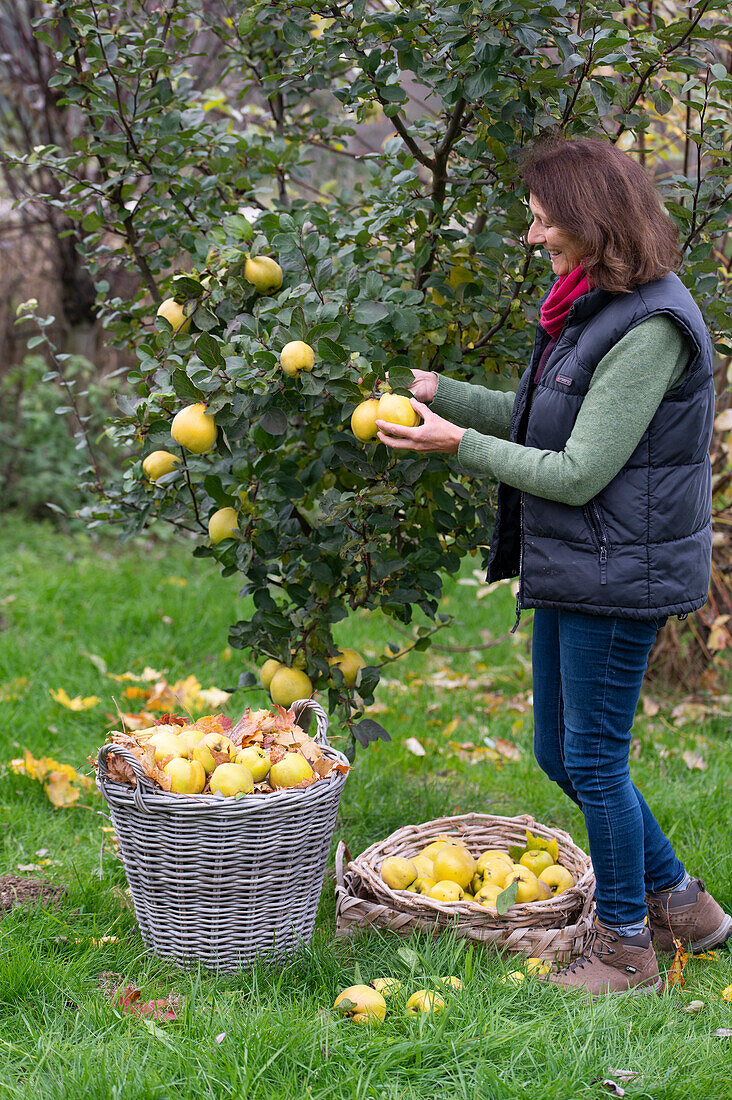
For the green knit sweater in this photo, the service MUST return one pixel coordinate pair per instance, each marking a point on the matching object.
(626, 389)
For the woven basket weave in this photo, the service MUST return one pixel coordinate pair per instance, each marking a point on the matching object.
(556, 929)
(217, 880)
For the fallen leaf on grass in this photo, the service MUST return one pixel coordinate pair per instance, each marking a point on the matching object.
(220, 1037)
(414, 746)
(719, 634)
(13, 689)
(675, 975)
(77, 703)
(650, 707)
(693, 1007)
(694, 761)
(507, 748)
(471, 753)
(60, 791)
(62, 783)
(727, 993)
(128, 1000)
(158, 1033)
(723, 1033)
(689, 712)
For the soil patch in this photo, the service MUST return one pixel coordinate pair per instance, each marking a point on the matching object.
(27, 892)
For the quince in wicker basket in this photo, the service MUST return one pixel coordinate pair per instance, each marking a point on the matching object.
(553, 929)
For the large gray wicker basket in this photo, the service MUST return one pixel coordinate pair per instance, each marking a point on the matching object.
(220, 881)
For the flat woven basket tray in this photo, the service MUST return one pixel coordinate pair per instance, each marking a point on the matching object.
(556, 929)
(219, 881)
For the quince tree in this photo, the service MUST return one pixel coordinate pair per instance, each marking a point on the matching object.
(343, 181)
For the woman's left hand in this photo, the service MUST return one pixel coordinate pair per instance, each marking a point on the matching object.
(433, 434)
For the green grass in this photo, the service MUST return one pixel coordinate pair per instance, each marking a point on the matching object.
(62, 598)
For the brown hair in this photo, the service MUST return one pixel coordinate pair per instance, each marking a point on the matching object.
(606, 201)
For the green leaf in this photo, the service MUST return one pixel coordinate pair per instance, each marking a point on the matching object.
(238, 227)
(274, 422)
(369, 730)
(409, 957)
(184, 287)
(507, 898)
(209, 351)
(369, 313)
(185, 388)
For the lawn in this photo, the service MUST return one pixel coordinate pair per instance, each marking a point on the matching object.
(271, 1032)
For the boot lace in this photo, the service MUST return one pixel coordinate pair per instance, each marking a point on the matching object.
(598, 948)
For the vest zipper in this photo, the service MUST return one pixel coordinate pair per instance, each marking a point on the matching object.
(598, 529)
(515, 626)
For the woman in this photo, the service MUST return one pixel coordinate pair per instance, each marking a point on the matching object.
(604, 513)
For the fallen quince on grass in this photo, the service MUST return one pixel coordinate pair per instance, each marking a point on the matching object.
(362, 1004)
(264, 751)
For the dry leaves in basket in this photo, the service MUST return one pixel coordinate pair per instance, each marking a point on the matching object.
(264, 751)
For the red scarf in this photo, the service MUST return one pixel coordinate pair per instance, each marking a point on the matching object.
(566, 290)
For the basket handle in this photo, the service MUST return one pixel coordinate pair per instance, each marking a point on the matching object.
(144, 783)
(342, 857)
(300, 706)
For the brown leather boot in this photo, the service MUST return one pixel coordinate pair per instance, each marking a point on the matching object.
(694, 916)
(613, 964)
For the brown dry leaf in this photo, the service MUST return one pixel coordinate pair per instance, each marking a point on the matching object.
(277, 753)
(723, 422)
(650, 707)
(688, 712)
(213, 723)
(507, 748)
(153, 770)
(120, 770)
(470, 753)
(213, 697)
(136, 721)
(285, 737)
(675, 976)
(719, 636)
(310, 750)
(694, 761)
(284, 719)
(128, 1000)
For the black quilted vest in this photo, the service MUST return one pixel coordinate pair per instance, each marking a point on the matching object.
(642, 547)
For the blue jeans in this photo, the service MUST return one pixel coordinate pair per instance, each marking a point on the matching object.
(588, 671)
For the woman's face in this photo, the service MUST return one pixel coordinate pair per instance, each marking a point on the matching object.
(562, 248)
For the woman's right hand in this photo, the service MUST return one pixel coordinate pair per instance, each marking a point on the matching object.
(424, 385)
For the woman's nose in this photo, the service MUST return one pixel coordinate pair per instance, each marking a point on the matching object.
(534, 235)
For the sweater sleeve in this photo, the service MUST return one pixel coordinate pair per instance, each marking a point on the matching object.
(470, 406)
(627, 387)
